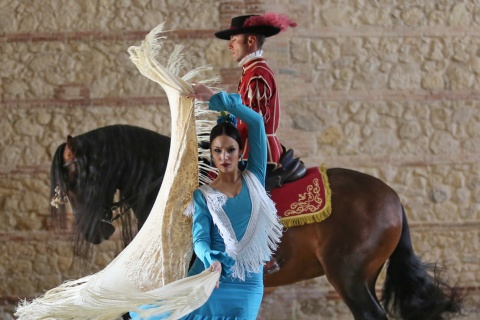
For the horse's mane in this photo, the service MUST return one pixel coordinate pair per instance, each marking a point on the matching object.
(143, 156)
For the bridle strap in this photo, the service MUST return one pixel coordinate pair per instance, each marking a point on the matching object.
(69, 163)
(119, 204)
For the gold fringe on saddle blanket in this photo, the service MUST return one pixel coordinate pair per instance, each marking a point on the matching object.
(304, 201)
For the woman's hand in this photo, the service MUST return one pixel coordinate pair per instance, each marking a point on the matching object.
(216, 267)
(202, 92)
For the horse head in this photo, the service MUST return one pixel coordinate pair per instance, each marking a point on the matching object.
(87, 175)
(64, 190)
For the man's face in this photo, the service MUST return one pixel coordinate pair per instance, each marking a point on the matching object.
(240, 46)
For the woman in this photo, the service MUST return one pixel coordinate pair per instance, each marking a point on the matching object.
(235, 226)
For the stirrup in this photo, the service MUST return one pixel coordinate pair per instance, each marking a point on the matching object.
(271, 267)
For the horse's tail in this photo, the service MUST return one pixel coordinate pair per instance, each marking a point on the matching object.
(410, 292)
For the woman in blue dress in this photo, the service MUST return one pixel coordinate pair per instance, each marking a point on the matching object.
(235, 226)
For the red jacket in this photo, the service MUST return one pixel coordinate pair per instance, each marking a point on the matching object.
(259, 92)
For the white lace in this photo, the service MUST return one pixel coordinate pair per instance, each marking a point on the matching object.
(251, 56)
(263, 232)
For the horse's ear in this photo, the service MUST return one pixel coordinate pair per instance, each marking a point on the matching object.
(71, 143)
(69, 152)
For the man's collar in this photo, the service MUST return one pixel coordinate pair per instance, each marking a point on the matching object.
(251, 56)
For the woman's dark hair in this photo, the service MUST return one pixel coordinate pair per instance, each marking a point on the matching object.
(226, 128)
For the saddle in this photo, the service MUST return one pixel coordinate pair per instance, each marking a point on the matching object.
(290, 169)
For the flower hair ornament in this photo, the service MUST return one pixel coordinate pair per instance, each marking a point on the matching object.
(228, 118)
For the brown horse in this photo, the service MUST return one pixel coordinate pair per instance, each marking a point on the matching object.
(367, 227)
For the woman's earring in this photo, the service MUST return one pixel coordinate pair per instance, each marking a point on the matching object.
(211, 161)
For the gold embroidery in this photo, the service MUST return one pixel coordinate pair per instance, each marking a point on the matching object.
(309, 201)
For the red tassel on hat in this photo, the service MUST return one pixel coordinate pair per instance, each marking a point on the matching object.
(280, 21)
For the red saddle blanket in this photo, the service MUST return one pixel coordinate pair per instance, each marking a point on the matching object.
(304, 201)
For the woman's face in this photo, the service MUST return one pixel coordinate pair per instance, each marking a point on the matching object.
(225, 153)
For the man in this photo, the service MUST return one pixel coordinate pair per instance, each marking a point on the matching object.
(258, 90)
(257, 85)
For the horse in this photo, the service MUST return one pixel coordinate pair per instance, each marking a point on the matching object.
(367, 228)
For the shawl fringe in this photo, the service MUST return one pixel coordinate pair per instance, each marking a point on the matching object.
(263, 232)
(107, 295)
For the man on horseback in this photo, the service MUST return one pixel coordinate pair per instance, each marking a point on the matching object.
(258, 89)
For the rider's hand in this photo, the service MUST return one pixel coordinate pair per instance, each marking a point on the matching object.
(216, 267)
(202, 92)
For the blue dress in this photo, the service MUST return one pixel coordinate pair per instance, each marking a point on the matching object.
(235, 299)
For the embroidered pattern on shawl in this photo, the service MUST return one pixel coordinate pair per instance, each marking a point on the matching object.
(151, 269)
(263, 231)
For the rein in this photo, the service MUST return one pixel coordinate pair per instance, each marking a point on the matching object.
(120, 204)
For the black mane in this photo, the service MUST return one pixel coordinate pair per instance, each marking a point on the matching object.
(143, 154)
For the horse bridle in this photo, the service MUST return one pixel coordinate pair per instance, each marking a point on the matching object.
(120, 204)
(59, 197)
(115, 206)
(69, 163)
(69, 159)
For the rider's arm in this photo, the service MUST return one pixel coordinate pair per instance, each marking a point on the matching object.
(259, 95)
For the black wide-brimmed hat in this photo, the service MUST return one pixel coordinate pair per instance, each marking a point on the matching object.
(268, 25)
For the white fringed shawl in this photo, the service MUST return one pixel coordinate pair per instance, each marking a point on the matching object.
(261, 236)
(149, 269)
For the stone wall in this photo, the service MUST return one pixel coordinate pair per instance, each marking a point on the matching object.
(388, 88)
